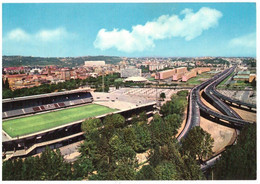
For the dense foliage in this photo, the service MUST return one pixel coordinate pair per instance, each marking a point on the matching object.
(250, 62)
(238, 162)
(50, 165)
(110, 148)
(177, 105)
(215, 61)
(198, 144)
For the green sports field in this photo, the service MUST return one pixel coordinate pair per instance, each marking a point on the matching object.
(39, 122)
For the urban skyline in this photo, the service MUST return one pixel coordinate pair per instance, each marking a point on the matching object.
(204, 29)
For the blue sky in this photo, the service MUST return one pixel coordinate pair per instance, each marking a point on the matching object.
(129, 29)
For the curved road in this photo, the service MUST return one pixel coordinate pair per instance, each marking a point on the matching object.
(196, 105)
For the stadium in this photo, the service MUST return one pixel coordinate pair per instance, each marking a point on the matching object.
(33, 122)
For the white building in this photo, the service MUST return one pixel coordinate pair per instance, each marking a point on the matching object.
(94, 63)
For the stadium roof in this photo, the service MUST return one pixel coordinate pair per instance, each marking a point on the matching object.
(44, 95)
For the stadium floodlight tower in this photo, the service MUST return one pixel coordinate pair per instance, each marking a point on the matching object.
(156, 91)
(103, 80)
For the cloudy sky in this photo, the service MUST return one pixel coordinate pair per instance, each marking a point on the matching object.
(136, 29)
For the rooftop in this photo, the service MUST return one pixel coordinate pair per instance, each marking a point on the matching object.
(243, 73)
(241, 77)
(43, 95)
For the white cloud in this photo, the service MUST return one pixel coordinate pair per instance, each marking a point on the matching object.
(245, 41)
(46, 42)
(142, 36)
(18, 35)
(57, 34)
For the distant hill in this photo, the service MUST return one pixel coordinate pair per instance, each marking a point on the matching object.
(9, 61)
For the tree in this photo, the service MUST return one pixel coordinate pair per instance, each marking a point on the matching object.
(167, 109)
(146, 173)
(115, 120)
(82, 167)
(174, 121)
(177, 105)
(130, 137)
(238, 162)
(198, 144)
(143, 137)
(3, 83)
(91, 125)
(111, 123)
(142, 116)
(50, 165)
(163, 96)
(185, 167)
(120, 149)
(160, 131)
(191, 169)
(7, 86)
(166, 170)
(183, 93)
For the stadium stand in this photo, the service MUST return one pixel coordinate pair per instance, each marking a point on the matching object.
(61, 104)
(37, 103)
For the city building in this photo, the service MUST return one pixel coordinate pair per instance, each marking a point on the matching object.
(65, 74)
(94, 63)
(179, 73)
(242, 76)
(189, 75)
(165, 74)
(252, 77)
(130, 72)
(156, 67)
(15, 70)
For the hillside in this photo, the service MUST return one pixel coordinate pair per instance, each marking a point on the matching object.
(11, 61)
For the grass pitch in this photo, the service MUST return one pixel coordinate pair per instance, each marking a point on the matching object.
(39, 122)
(199, 79)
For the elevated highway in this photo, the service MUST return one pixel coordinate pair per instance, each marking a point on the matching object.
(193, 117)
(233, 101)
(225, 98)
(237, 122)
(216, 102)
(196, 107)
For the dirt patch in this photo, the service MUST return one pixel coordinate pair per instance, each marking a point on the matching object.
(222, 135)
(246, 115)
(142, 159)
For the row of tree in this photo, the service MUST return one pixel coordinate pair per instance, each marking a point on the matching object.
(50, 165)
(67, 85)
